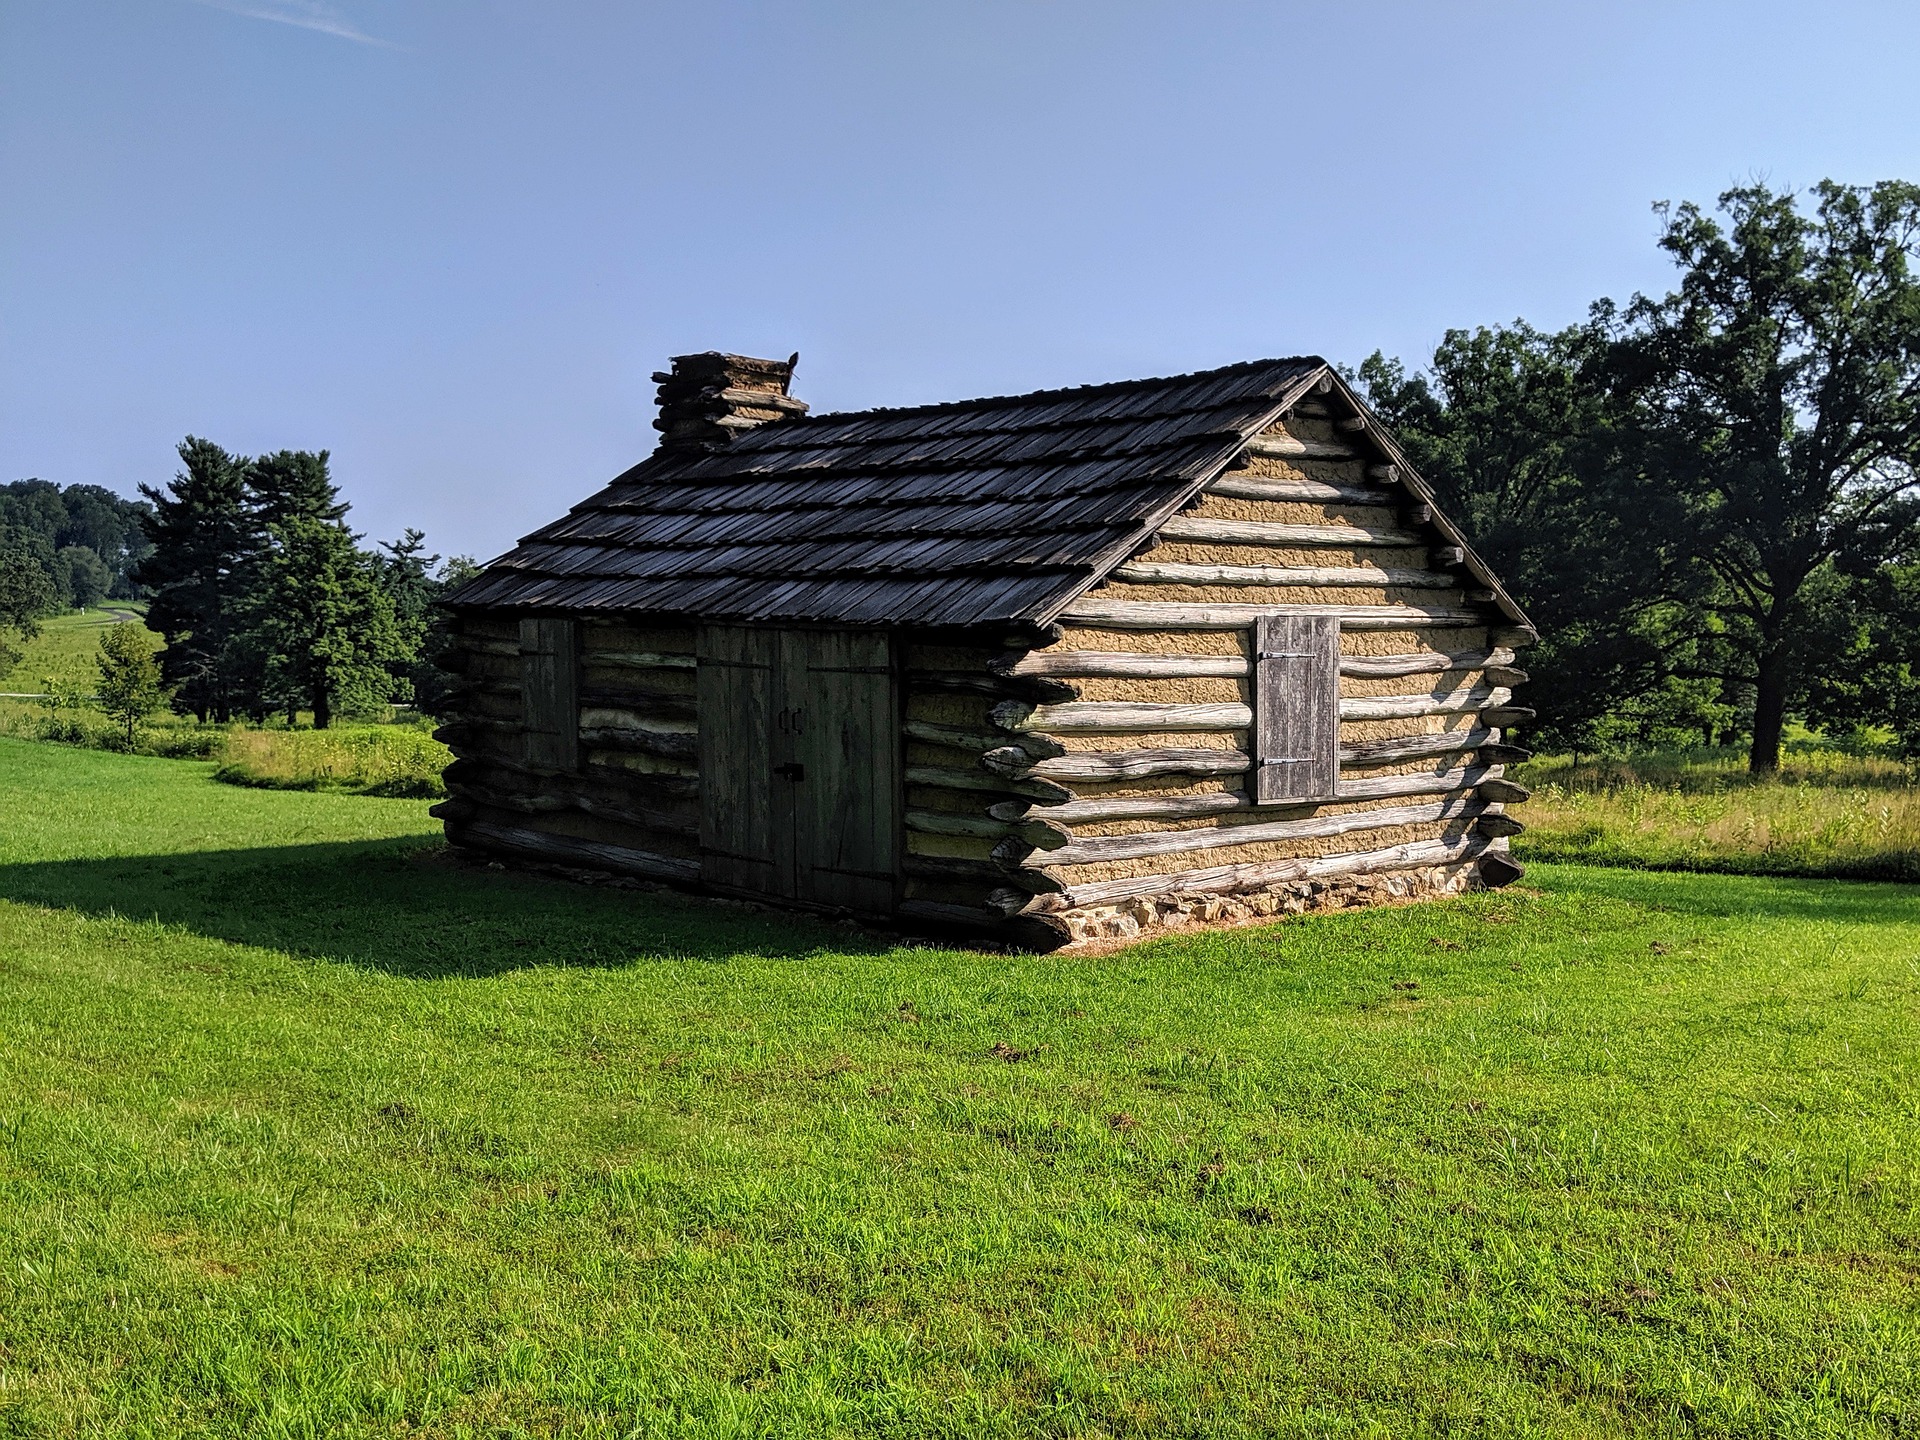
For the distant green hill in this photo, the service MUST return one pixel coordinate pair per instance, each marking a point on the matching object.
(66, 647)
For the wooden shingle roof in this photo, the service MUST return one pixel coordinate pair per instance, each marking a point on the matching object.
(999, 509)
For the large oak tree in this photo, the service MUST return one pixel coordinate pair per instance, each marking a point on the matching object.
(1781, 381)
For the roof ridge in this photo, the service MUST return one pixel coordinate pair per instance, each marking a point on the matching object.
(1063, 392)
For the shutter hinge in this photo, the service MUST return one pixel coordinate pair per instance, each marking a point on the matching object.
(1285, 654)
(1288, 760)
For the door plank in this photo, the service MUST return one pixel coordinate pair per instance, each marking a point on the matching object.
(847, 816)
(550, 693)
(736, 686)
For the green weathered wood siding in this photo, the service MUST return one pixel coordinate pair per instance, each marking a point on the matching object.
(736, 686)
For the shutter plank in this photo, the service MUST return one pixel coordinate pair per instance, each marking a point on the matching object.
(1296, 730)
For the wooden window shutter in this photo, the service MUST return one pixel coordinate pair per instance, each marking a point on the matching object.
(1296, 709)
(550, 692)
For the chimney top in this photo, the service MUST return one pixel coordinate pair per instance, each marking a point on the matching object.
(706, 399)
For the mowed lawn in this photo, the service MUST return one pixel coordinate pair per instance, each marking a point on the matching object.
(305, 1131)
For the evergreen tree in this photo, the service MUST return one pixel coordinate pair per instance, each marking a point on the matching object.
(434, 686)
(205, 541)
(129, 677)
(327, 623)
(293, 485)
(407, 571)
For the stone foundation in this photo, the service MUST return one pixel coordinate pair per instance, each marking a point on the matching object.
(1149, 915)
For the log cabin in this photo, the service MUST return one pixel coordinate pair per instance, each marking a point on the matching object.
(1041, 668)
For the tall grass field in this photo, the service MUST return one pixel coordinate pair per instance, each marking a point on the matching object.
(306, 1130)
(1825, 813)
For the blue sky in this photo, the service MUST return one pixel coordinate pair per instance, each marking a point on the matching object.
(450, 239)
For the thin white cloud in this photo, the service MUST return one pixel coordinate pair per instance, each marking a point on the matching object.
(303, 15)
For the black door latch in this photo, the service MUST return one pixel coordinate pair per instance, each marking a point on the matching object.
(792, 770)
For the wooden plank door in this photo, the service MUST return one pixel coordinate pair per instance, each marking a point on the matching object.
(800, 765)
(1296, 709)
(736, 684)
(844, 745)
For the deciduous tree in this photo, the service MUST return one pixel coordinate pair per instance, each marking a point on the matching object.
(1526, 449)
(26, 595)
(129, 677)
(1782, 381)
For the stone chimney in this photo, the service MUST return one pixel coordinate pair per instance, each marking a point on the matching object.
(706, 399)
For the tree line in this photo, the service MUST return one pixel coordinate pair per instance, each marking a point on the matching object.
(265, 597)
(269, 603)
(1705, 499)
(63, 550)
(84, 540)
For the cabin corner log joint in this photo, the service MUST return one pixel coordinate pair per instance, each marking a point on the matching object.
(1042, 667)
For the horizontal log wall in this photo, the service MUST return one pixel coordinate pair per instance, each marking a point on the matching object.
(1154, 746)
(633, 805)
(964, 818)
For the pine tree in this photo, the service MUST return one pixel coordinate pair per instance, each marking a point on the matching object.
(283, 487)
(326, 622)
(204, 540)
(293, 485)
(408, 573)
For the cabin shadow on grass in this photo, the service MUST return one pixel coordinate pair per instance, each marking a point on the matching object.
(408, 909)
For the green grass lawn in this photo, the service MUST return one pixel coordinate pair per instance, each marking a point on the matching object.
(305, 1131)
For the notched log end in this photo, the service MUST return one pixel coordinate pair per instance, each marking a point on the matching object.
(1011, 714)
(1498, 754)
(1503, 716)
(1033, 635)
(1504, 792)
(1011, 853)
(1009, 760)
